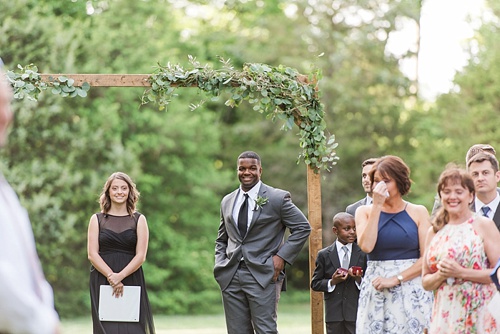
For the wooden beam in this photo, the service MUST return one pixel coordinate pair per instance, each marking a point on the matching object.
(104, 80)
(313, 179)
(315, 244)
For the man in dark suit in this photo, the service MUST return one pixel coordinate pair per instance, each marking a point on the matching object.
(483, 167)
(367, 186)
(340, 287)
(250, 249)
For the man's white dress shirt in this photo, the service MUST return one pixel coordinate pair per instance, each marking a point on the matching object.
(492, 205)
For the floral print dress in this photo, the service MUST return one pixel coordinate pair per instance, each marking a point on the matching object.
(460, 306)
(405, 308)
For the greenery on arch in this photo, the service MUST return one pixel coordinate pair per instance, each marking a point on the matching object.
(28, 83)
(278, 92)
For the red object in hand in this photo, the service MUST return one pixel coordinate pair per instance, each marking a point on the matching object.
(342, 271)
(356, 270)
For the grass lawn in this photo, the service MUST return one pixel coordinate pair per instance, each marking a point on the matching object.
(292, 319)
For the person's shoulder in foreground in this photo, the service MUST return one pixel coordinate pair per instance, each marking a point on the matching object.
(26, 298)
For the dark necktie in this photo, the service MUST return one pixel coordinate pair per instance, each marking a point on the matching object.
(486, 210)
(243, 217)
(345, 259)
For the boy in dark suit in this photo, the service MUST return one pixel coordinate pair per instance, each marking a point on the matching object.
(337, 276)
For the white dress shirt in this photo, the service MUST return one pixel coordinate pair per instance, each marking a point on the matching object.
(492, 205)
(340, 253)
(252, 196)
(26, 299)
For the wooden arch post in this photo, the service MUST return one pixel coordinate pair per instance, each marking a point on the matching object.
(313, 181)
(315, 244)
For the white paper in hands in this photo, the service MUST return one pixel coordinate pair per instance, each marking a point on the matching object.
(125, 308)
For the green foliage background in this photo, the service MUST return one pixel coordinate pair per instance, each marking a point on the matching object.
(61, 151)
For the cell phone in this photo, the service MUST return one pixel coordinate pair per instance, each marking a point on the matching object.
(356, 270)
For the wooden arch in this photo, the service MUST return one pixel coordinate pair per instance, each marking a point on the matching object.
(313, 181)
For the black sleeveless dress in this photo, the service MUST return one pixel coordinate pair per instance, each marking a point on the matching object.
(117, 244)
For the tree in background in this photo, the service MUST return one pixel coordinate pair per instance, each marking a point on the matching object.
(183, 161)
(62, 150)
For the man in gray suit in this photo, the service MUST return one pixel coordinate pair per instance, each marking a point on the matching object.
(250, 249)
(367, 186)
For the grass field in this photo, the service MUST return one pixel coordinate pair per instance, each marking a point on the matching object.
(292, 319)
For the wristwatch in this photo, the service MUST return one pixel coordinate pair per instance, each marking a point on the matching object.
(400, 278)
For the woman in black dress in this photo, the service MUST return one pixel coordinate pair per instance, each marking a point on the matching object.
(117, 246)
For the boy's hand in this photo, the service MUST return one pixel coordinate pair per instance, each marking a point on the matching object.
(339, 276)
(356, 271)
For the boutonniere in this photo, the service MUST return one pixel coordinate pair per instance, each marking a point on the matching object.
(260, 202)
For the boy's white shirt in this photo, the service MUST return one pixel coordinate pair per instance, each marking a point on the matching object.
(340, 253)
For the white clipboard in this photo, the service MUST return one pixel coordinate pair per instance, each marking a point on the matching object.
(124, 309)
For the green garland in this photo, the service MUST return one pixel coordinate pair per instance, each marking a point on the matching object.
(279, 92)
(28, 83)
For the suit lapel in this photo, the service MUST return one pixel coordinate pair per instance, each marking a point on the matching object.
(228, 210)
(496, 217)
(356, 253)
(262, 193)
(334, 256)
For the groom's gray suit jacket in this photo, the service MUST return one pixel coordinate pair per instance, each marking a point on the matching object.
(264, 238)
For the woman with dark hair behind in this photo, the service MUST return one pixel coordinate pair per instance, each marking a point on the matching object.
(392, 233)
(117, 246)
(461, 247)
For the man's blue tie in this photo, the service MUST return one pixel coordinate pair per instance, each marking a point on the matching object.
(486, 209)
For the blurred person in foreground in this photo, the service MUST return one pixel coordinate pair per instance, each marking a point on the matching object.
(251, 250)
(366, 166)
(461, 247)
(26, 298)
(392, 233)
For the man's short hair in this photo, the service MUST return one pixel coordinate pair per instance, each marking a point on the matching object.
(249, 155)
(484, 156)
(369, 161)
(477, 148)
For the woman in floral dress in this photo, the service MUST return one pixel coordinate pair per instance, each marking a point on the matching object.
(461, 246)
